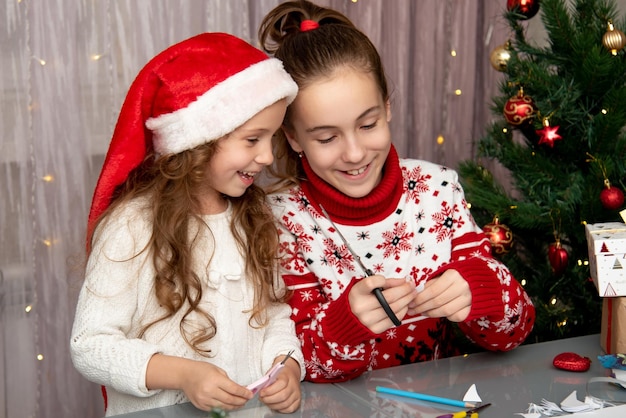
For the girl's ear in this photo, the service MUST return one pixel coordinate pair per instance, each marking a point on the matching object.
(388, 110)
(291, 138)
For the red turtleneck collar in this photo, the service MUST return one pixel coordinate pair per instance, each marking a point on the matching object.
(377, 205)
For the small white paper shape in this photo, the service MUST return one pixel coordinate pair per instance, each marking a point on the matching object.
(547, 408)
(620, 374)
(572, 404)
(533, 415)
(472, 394)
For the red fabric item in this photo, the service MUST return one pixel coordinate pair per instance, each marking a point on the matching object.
(350, 211)
(609, 328)
(194, 92)
(307, 25)
(104, 396)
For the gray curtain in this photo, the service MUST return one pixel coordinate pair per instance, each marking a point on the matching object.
(64, 72)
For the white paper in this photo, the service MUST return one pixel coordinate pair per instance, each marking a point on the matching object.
(472, 395)
(572, 404)
(612, 412)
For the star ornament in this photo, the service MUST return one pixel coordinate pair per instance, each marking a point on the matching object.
(548, 134)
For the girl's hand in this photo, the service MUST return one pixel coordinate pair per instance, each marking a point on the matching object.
(208, 386)
(284, 394)
(398, 293)
(447, 295)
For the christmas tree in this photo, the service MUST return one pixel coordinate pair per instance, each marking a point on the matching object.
(558, 135)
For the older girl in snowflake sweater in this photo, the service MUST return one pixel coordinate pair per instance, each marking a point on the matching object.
(355, 219)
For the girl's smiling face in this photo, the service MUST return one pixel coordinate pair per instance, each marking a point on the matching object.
(241, 156)
(341, 124)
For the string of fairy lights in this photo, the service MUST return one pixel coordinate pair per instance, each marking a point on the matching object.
(27, 302)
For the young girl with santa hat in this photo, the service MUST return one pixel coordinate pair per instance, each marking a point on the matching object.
(181, 301)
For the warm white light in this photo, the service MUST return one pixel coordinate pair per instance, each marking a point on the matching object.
(457, 92)
(440, 139)
(453, 53)
(96, 57)
(48, 178)
(523, 282)
(505, 130)
(39, 60)
(39, 357)
(28, 308)
(604, 111)
(47, 242)
(553, 301)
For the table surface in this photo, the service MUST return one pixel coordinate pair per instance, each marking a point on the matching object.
(509, 381)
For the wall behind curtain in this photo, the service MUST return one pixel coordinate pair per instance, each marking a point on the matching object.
(64, 73)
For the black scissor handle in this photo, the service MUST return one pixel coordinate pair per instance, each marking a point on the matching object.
(378, 292)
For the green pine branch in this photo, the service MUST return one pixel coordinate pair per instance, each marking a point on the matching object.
(578, 85)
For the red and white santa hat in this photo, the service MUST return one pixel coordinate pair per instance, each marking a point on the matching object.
(192, 93)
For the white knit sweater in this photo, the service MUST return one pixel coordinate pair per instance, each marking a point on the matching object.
(117, 300)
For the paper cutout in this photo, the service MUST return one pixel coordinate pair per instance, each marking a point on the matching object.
(572, 404)
(569, 404)
(610, 412)
(472, 395)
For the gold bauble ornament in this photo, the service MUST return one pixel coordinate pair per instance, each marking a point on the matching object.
(614, 39)
(500, 57)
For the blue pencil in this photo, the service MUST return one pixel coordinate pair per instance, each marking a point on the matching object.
(424, 397)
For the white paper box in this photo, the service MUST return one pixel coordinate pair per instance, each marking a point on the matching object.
(606, 243)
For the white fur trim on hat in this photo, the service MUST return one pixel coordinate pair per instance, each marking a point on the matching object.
(225, 107)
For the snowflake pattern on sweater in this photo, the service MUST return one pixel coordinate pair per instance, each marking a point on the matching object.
(416, 234)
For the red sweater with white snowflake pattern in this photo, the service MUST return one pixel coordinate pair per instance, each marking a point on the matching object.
(413, 225)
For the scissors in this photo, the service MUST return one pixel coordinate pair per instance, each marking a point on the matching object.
(472, 413)
(378, 292)
(270, 376)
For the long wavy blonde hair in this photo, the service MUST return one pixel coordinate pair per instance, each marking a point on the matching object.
(172, 184)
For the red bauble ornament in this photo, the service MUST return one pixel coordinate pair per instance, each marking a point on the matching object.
(519, 109)
(571, 362)
(499, 235)
(612, 198)
(527, 8)
(557, 255)
(548, 134)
